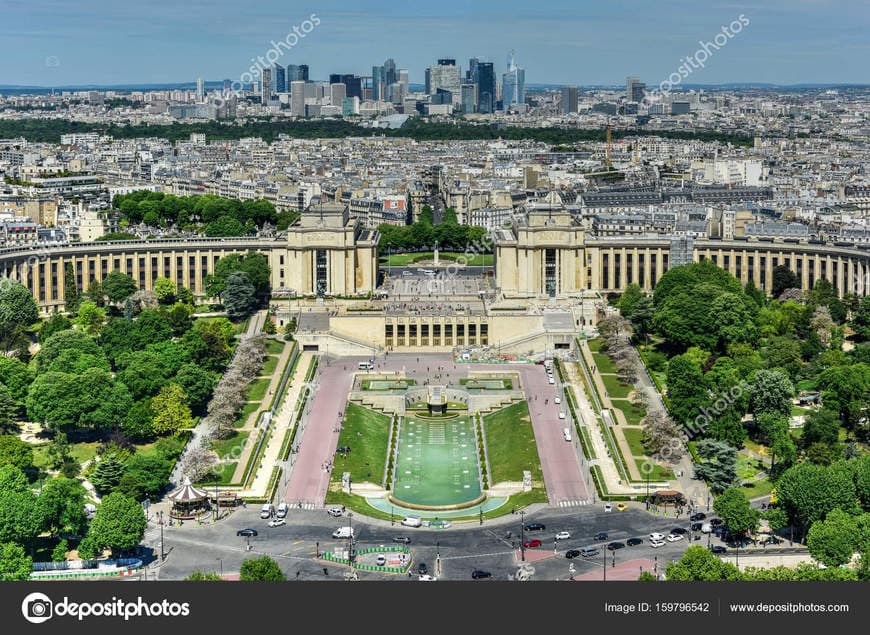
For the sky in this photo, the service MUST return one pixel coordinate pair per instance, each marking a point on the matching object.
(75, 42)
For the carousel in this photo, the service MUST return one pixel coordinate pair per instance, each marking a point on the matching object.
(188, 502)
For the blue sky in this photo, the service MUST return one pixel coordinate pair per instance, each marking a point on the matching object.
(57, 42)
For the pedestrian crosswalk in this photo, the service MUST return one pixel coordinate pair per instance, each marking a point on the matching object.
(574, 503)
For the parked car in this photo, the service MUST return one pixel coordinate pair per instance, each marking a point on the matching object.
(621, 507)
(698, 516)
(608, 507)
(427, 578)
(613, 546)
(706, 528)
(696, 526)
(246, 532)
(535, 527)
(633, 542)
(334, 511)
(716, 522)
(422, 569)
(718, 549)
(381, 560)
(656, 543)
(563, 535)
(530, 544)
(572, 553)
(561, 415)
(479, 574)
(678, 530)
(558, 400)
(601, 535)
(674, 537)
(277, 522)
(402, 540)
(656, 536)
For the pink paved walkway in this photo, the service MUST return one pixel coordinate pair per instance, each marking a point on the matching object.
(627, 570)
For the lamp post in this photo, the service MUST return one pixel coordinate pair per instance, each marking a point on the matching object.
(162, 553)
(522, 535)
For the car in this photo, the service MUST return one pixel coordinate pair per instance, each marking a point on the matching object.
(422, 569)
(717, 522)
(706, 528)
(550, 380)
(561, 415)
(696, 526)
(656, 543)
(427, 578)
(334, 511)
(633, 542)
(718, 549)
(621, 507)
(678, 530)
(407, 273)
(531, 544)
(588, 552)
(563, 535)
(557, 400)
(479, 574)
(601, 535)
(613, 546)
(535, 527)
(698, 516)
(572, 553)
(674, 537)
(247, 533)
(381, 560)
(402, 540)
(608, 507)
(277, 522)
(656, 536)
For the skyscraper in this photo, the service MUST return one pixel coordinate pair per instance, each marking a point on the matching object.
(569, 99)
(353, 84)
(200, 89)
(297, 73)
(486, 89)
(513, 84)
(297, 98)
(403, 81)
(266, 86)
(469, 98)
(446, 76)
(471, 73)
(228, 86)
(634, 89)
(280, 79)
(382, 77)
(337, 92)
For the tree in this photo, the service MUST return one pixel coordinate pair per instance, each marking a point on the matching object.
(91, 400)
(58, 554)
(642, 316)
(118, 286)
(165, 290)
(262, 569)
(71, 295)
(821, 426)
(145, 474)
(17, 306)
(118, 525)
(686, 390)
(630, 297)
(9, 410)
(15, 564)
(770, 393)
(54, 324)
(179, 318)
(254, 264)
(171, 412)
(137, 424)
(91, 317)
(61, 505)
(847, 390)
(95, 293)
(699, 565)
(203, 576)
(107, 473)
(239, 296)
(718, 465)
(734, 509)
(809, 492)
(226, 226)
(19, 517)
(861, 320)
(63, 342)
(784, 278)
(833, 541)
(143, 372)
(197, 383)
(14, 451)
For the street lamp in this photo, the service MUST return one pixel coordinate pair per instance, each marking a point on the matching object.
(162, 553)
(522, 535)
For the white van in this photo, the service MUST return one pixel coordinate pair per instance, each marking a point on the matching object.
(566, 432)
(343, 532)
(267, 510)
(412, 521)
(283, 508)
(365, 366)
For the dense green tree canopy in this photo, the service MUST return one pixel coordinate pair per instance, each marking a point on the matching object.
(119, 524)
(17, 306)
(262, 569)
(734, 509)
(118, 286)
(15, 564)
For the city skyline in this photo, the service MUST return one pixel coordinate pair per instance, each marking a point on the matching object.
(783, 42)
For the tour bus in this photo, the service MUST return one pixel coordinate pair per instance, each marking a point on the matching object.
(366, 366)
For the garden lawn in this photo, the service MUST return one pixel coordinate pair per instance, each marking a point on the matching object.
(257, 389)
(761, 487)
(366, 433)
(633, 438)
(633, 414)
(225, 474)
(615, 388)
(269, 366)
(224, 447)
(603, 363)
(658, 473)
(275, 347)
(594, 345)
(247, 409)
(510, 443)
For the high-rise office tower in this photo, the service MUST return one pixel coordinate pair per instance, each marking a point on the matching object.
(377, 82)
(352, 83)
(486, 90)
(280, 79)
(228, 85)
(266, 86)
(297, 73)
(382, 77)
(469, 98)
(569, 99)
(297, 98)
(446, 76)
(390, 74)
(513, 84)
(337, 92)
(634, 89)
(200, 89)
(403, 81)
(471, 73)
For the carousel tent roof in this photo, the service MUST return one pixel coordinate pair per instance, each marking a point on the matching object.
(187, 493)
